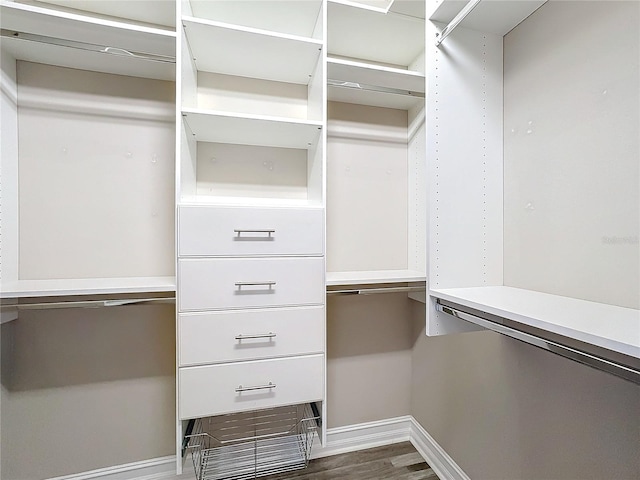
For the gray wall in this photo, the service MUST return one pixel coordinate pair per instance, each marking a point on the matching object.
(86, 388)
(506, 410)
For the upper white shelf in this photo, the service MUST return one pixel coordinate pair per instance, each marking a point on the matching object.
(373, 277)
(248, 52)
(380, 86)
(223, 127)
(607, 326)
(113, 42)
(86, 286)
(492, 16)
(365, 34)
(297, 17)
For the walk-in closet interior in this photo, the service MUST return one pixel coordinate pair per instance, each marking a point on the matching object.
(237, 235)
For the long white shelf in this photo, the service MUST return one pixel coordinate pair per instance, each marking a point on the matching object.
(246, 129)
(373, 277)
(293, 18)
(498, 17)
(373, 80)
(86, 286)
(607, 326)
(249, 52)
(112, 36)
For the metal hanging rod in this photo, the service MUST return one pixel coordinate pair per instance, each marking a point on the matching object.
(90, 47)
(374, 88)
(86, 303)
(374, 291)
(624, 371)
(456, 21)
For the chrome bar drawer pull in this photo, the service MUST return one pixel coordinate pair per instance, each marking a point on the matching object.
(268, 283)
(268, 231)
(257, 335)
(269, 386)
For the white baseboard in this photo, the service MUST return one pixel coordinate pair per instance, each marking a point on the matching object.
(364, 435)
(339, 440)
(153, 469)
(439, 460)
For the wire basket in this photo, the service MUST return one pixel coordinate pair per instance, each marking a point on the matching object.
(252, 444)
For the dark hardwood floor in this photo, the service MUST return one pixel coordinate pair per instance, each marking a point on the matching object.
(400, 461)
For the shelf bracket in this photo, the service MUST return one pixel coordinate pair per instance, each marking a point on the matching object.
(444, 33)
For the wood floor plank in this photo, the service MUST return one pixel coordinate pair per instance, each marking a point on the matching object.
(390, 462)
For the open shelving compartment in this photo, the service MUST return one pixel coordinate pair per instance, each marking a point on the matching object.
(376, 198)
(252, 113)
(87, 154)
(532, 227)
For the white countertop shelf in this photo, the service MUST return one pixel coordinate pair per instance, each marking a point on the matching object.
(105, 34)
(246, 129)
(492, 16)
(607, 326)
(86, 286)
(373, 277)
(249, 52)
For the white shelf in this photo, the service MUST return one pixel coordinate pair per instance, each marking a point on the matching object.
(223, 127)
(248, 52)
(498, 17)
(78, 28)
(217, 200)
(369, 35)
(86, 286)
(371, 75)
(292, 17)
(373, 277)
(607, 326)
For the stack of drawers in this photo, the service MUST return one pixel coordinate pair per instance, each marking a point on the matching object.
(251, 318)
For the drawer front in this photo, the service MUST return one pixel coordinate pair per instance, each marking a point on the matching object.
(238, 231)
(220, 283)
(237, 387)
(250, 334)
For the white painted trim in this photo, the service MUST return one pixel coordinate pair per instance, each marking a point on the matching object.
(440, 462)
(340, 440)
(364, 435)
(155, 468)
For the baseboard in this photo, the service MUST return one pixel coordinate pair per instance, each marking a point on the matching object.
(156, 468)
(364, 435)
(339, 440)
(439, 460)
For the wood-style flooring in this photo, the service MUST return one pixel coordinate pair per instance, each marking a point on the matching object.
(400, 461)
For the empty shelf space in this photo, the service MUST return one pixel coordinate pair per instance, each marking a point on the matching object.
(249, 52)
(292, 17)
(607, 326)
(86, 286)
(223, 127)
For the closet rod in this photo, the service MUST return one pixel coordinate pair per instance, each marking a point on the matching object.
(595, 361)
(372, 291)
(374, 88)
(90, 47)
(86, 303)
(456, 21)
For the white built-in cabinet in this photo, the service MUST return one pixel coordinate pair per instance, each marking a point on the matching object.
(532, 179)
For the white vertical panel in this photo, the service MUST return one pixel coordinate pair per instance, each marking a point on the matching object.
(417, 197)
(8, 170)
(464, 143)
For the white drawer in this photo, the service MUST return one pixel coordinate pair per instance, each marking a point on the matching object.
(238, 231)
(220, 283)
(235, 387)
(250, 334)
